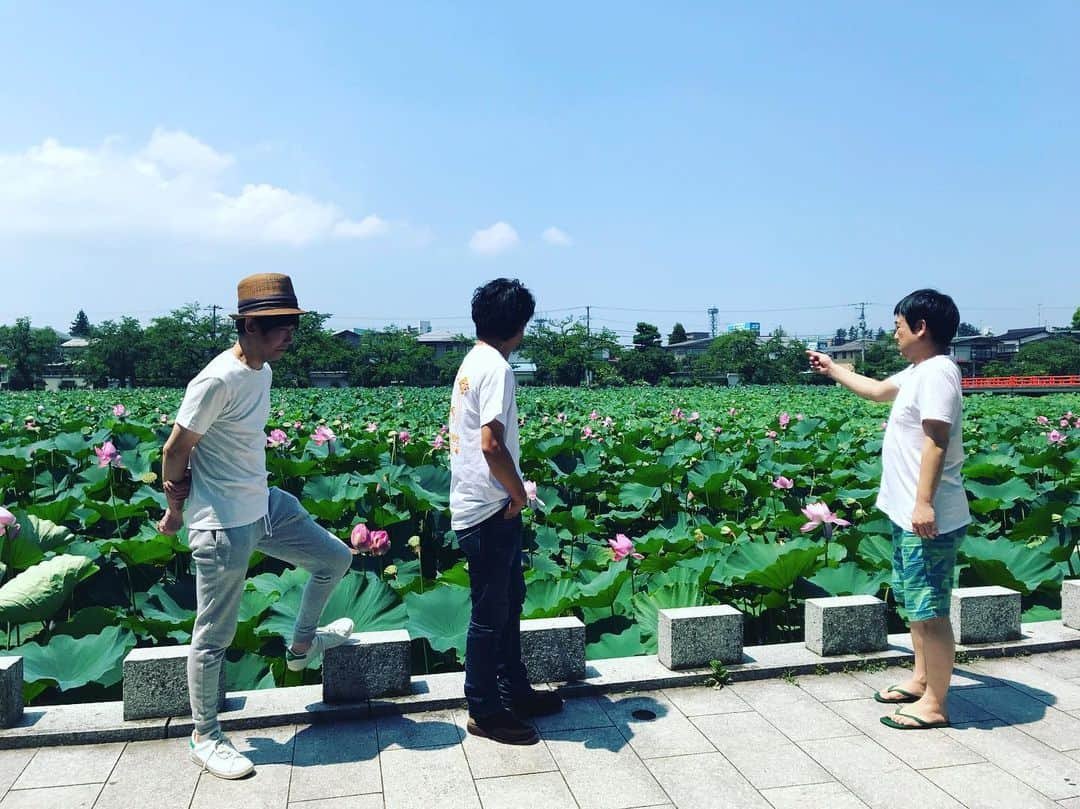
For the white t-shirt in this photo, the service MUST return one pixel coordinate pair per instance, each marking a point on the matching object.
(228, 403)
(483, 392)
(929, 390)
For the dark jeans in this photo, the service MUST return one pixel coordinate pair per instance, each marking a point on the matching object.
(494, 673)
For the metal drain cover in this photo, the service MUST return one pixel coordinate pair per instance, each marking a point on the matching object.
(643, 714)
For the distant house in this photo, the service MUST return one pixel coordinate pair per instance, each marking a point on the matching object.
(689, 348)
(443, 342)
(524, 370)
(972, 353)
(329, 379)
(62, 375)
(350, 337)
(848, 353)
(5, 377)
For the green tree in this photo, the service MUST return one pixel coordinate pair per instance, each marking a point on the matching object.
(678, 334)
(176, 346)
(781, 361)
(646, 365)
(114, 352)
(80, 326)
(28, 351)
(881, 359)
(840, 337)
(313, 348)
(391, 357)
(736, 352)
(646, 335)
(564, 350)
(1076, 318)
(1054, 355)
(966, 330)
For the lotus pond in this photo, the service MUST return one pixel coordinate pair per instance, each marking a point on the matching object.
(705, 486)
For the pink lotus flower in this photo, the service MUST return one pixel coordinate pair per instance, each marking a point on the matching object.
(732, 411)
(298, 425)
(372, 427)
(360, 538)
(608, 421)
(8, 524)
(783, 483)
(322, 435)
(694, 416)
(771, 434)
(819, 514)
(107, 455)
(277, 438)
(677, 414)
(443, 430)
(530, 493)
(1064, 423)
(1077, 424)
(593, 416)
(438, 442)
(587, 432)
(561, 417)
(119, 411)
(164, 419)
(378, 543)
(718, 430)
(404, 437)
(621, 547)
(280, 413)
(799, 417)
(698, 436)
(784, 420)
(1054, 437)
(1042, 420)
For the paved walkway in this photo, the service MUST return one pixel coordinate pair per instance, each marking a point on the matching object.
(788, 744)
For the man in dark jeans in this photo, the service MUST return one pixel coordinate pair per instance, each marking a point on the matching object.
(486, 498)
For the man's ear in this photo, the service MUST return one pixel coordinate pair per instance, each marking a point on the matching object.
(249, 325)
(921, 329)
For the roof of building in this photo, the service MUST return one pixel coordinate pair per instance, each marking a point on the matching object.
(440, 337)
(75, 342)
(1020, 334)
(690, 343)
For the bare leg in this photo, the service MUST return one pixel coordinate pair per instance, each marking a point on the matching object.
(939, 656)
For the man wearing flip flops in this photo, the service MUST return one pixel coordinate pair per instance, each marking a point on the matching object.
(219, 430)
(922, 493)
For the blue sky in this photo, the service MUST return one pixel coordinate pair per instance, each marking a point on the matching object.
(775, 160)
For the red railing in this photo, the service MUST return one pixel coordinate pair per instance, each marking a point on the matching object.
(976, 382)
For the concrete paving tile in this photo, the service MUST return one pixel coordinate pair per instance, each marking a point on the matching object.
(792, 711)
(1055, 728)
(335, 760)
(928, 748)
(545, 790)
(1054, 774)
(963, 678)
(79, 723)
(668, 734)
(1074, 754)
(833, 795)
(64, 766)
(584, 755)
(427, 693)
(352, 802)
(834, 687)
(984, 786)
(157, 774)
(1064, 664)
(75, 797)
(488, 759)
(1033, 681)
(876, 776)
(1071, 803)
(428, 777)
(577, 714)
(268, 788)
(705, 781)
(409, 732)
(759, 751)
(703, 700)
(265, 745)
(12, 763)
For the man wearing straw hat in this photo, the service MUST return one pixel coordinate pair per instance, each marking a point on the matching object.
(231, 511)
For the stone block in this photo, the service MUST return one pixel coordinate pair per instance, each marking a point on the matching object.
(845, 625)
(689, 637)
(1070, 603)
(985, 614)
(155, 683)
(11, 690)
(370, 664)
(553, 649)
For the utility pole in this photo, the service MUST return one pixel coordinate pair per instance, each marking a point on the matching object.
(862, 328)
(713, 312)
(213, 322)
(588, 345)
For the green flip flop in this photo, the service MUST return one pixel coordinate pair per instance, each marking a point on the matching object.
(908, 696)
(889, 722)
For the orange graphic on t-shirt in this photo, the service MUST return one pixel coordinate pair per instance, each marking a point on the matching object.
(455, 443)
(463, 384)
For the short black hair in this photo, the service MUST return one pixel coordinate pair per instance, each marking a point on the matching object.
(268, 323)
(934, 308)
(501, 308)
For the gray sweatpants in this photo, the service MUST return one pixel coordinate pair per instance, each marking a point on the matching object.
(221, 562)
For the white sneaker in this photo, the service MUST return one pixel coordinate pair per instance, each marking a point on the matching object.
(326, 637)
(217, 756)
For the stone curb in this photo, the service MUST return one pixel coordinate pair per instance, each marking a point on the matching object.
(96, 723)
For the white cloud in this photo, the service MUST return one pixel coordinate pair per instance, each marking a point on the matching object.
(557, 237)
(495, 239)
(172, 187)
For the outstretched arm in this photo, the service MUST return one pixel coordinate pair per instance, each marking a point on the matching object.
(873, 389)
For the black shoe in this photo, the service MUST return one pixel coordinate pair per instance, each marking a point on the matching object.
(502, 727)
(536, 703)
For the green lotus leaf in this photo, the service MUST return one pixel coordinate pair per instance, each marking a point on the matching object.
(74, 662)
(364, 597)
(1010, 564)
(39, 592)
(441, 615)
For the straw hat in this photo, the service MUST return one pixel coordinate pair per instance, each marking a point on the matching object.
(266, 294)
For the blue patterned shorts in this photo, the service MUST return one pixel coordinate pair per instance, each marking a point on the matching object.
(923, 572)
